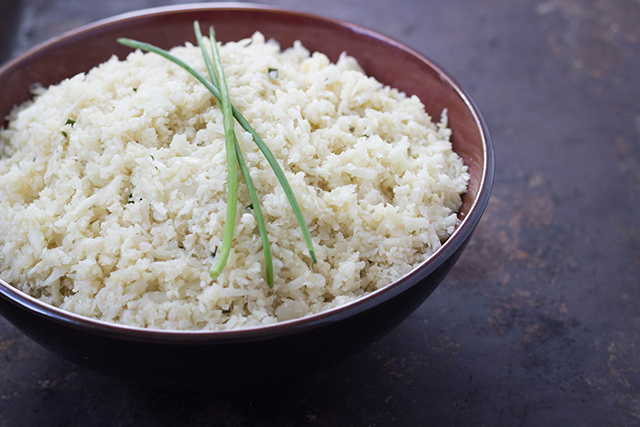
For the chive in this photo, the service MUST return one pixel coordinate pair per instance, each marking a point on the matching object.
(232, 165)
(65, 134)
(135, 89)
(70, 122)
(246, 126)
(253, 195)
(257, 210)
(273, 73)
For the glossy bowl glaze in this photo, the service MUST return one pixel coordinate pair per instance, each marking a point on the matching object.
(227, 360)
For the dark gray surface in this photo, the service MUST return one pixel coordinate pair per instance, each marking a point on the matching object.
(538, 324)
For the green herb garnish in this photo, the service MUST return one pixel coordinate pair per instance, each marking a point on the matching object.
(273, 73)
(217, 86)
(217, 78)
(135, 89)
(70, 122)
(65, 134)
(232, 157)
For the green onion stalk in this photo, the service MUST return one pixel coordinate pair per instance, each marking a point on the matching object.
(218, 87)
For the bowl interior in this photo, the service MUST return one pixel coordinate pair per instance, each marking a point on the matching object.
(389, 62)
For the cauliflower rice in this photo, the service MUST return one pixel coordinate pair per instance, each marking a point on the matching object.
(113, 189)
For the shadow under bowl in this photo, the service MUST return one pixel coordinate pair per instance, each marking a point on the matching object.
(228, 360)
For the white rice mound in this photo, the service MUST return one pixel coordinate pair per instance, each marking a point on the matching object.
(118, 214)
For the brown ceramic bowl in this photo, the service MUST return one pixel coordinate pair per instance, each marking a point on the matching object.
(226, 360)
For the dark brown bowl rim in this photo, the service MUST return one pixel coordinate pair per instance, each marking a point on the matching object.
(265, 332)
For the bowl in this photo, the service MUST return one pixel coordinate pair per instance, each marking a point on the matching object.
(235, 359)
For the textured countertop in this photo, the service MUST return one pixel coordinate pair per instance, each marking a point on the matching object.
(538, 323)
